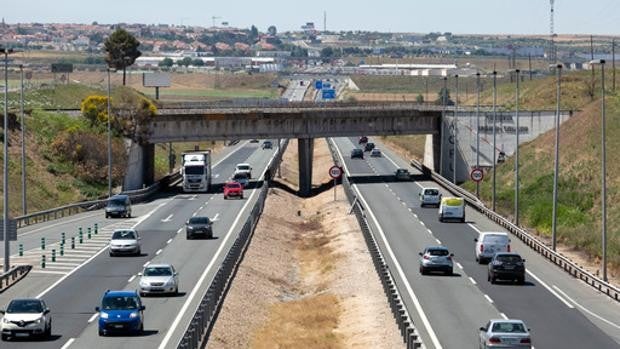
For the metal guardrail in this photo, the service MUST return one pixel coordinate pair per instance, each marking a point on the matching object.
(399, 311)
(197, 333)
(12, 276)
(71, 209)
(556, 258)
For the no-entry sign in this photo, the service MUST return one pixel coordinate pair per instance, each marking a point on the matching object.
(476, 174)
(335, 172)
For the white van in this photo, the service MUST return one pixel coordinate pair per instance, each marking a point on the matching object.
(430, 196)
(490, 243)
(452, 208)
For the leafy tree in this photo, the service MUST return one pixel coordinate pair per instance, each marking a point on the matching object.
(272, 30)
(444, 92)
(122, 50)
(166, 62)
(327, 52)
(253, 33)
(186, 61)
(198, 62)
(94, 109)
(419, 99)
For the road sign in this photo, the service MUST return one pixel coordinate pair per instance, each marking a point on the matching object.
(12, 230)
(476, 174)
(318, 84)
(335, 172)
(328, 94)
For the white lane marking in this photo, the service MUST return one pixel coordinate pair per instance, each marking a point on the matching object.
(194, 292)
(504, 317)
(201, 207)
(216, 175)
(459, 265)
(133, 277)
(488, 298)
(167, 219)
(69, 342)
(169, 241)
(586, 309)
(145, 264)
(194, 214)
(423, 224)
(438, 241)
(158, 252)
(404, 203)
(550, 289)
(92, 318)
(49, 272)
(410, 210)
(179, 231)
(193, 197)
(472, 280)
(216, 217)
(429, 231)
(415, 215)
(474, 227)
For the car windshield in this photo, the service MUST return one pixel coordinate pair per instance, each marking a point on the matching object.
(401, 170)
(438, 252)
(433, 192)
(495, 239)
(119, 303)
(243, 167)
(116, 202)
(124, 235)
(199, 220)
(233, 185)
(508, 327)
(158, 271)
(29, 306)
(240, 176)
(194, 170)
(509, 258)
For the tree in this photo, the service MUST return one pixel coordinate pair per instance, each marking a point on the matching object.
(187, 61)
(166, 62)
(122, 50)
(198, 62)
(444, 92)
(253, 33)
(272, 30)
(419, 99)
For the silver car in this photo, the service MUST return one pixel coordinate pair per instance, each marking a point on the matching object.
(125, 241)
(159, 279)
(502, 333)
(436, 258)
(26, 317)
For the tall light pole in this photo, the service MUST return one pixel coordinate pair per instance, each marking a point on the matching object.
(23, 127)
(557, 160)
(5, 179)
(494, 135)
(109, 140)
(517, 152)
(444, 92)
(603, 170)
(478, 131)
(454, 129)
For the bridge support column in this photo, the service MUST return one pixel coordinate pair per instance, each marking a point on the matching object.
(140, 170)
(305, 149)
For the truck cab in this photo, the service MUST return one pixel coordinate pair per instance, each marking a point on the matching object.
(196, 171)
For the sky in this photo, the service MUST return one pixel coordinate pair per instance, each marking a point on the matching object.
(456, 16)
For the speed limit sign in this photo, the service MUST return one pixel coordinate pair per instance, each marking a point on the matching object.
(476, 174)
(335, 172)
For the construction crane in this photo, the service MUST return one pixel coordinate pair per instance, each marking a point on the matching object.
(214, 18)
(552, 53)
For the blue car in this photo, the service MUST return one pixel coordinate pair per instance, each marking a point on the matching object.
(121, 312)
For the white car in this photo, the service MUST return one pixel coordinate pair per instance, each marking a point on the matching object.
(375, 153)
(502, 333)
(125, 241)
(452, 208)
(430, 197)
(243, 168)
(490, 243)
(26, 317)
(159, 279)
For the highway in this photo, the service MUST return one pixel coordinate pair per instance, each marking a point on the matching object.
(73, 293)
(447, 311)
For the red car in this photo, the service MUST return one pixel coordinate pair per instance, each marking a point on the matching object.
(233, 189)
(362, 140)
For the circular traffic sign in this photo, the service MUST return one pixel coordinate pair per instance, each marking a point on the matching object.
(476, 174)
(335, 172)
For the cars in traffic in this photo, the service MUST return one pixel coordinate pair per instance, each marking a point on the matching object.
(357, 153)
(506, 266)
(118, 206)
(369, 146)
(490, 243)
(233, 189)
(242, 178)
(452, 208)
(124, 241)
(436, 258)
(158, 279)
(402, 174)
(120, 312)
(267, 144)
(253, 140)
(26, 317)
(376, 153)
(199, 226)
(430, 196)
(500, 333)
(362, 140)
(243, 168)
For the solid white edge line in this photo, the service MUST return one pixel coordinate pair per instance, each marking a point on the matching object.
(586, 309)
(169, 241)
(131, 278)
(471, 279)
(459, 265)
(550, 289)
(145, 264)
(158, 252)
(194, 292)
(69, 342)
(92, 318)
(488, 298)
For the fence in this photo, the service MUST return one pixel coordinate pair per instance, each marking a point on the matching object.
(197, 333)
(12, 276)
(558, 259)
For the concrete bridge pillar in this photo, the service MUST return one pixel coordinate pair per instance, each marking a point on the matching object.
(305, 148)
(140, 166)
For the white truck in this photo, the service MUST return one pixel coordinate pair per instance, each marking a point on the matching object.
(196, 170)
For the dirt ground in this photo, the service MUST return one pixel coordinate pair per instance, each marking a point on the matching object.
(307, 279)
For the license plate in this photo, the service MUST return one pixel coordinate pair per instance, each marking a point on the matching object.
(510, 267)
(21, 334)
(118, 326)
(510, 340)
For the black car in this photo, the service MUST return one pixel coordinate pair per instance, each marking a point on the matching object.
(506, 266)
(118, 206)
(369, 146)
(267, 145)
(357, 153)
(362, 140)
(402, 174)
(199, 226)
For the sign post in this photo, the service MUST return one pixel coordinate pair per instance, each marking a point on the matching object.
(335, 172)
(476, 174)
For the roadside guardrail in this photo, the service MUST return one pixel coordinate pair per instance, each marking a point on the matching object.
(537, 245)
(13, 275)
(198, 331)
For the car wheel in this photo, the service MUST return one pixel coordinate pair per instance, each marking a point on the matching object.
(241, 197)
(5, 337)
(493, 279)
(101, 333)
(111, 254)
(139, 252)
(422, 271)
(441, 219)
(188, 236)
(141, 330)
(176, 291)
(450, 272)
(521, 280)
(225, 197)
(107, 216)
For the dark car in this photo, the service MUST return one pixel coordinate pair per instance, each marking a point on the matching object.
(267, 145)
(118, 206)
(362, 140)
(507, 266)
(357, 153)
(402, 174)
(199, 226)
(369, 146)
(253, 140)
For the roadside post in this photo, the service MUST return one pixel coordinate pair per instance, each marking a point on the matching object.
(53, 255)
(21, 250)
(335, 172)
(89, 233)
(43, 243)
(73, 243)
(96, 229)
(42, 261)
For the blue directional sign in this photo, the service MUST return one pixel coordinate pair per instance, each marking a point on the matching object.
(318, 84)
(329, 93)
(327, 85)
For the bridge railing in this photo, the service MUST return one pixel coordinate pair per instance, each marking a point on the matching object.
(537, 245)
(197, 332)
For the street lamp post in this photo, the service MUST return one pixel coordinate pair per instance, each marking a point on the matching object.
(603, 171)
(454, 129)
(109, 140)
(5, 182)
(557, 160)
(444, 92)
(517, 152)
(494, 135)
(478, 130)
(23, 127)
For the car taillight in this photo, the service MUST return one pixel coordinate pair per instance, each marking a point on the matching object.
(449, 258)
(495, 340)
(526, 341)
(508, 249)
(481, 248)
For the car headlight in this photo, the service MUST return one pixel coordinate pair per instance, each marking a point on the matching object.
(104, 315)
(133, 315)
(143, 283)
(38, 321)
(5, 320)
(170, 282)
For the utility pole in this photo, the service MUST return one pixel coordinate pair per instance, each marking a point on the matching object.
(23, 127)
(109, 140)
(517, 152)
(5, 182)
(444, 93)
(494, 135)
(324, 21)
(557, 159)
(613, 64)
(478, 130)
(454, 129)
(604, 172)
(591, 66)
(529, 61)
